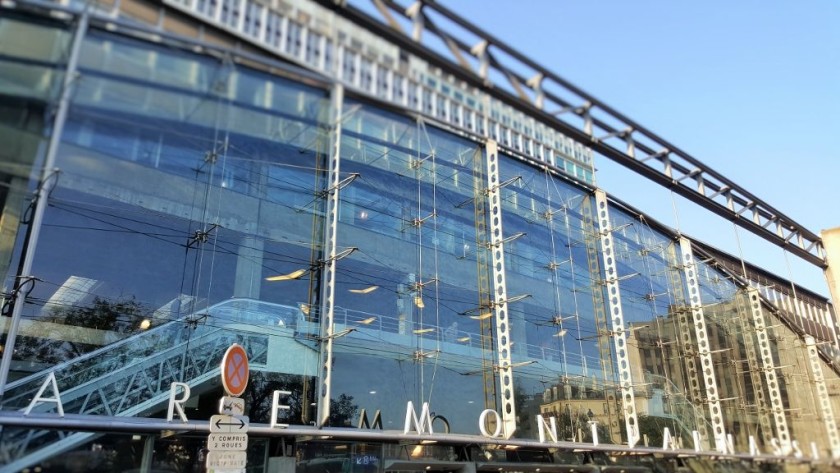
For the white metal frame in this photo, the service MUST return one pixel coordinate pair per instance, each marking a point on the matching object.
(747, 329)
(822, 397)
(703, 349)
(500, 305)
(769, 368)
(686, 345)
(330, 239)
(619, 332)
(599, 309)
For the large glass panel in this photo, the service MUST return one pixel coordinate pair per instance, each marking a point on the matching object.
(33, 54)
(559, 371)
(665, 352)
(655, 315)
(186, 196)
(728, 328)
(32, 58)
(409, 290)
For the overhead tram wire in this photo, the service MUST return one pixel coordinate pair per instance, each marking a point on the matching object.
(132, 230)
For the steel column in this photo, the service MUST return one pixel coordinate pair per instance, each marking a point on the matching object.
(703, 348)
(330, 237)
(685, 345)
(747, 329)
(769, 368)
(500, 305)
(628, 398)
(822, 397)
(483, 248)
(599, 308)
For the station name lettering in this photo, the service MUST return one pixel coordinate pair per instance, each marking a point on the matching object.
(422, 424)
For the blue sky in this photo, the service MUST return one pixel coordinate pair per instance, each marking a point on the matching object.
(751, 88)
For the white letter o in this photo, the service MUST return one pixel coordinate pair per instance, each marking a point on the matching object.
(481, 423)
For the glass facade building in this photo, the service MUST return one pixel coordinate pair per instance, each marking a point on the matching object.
(371, 241)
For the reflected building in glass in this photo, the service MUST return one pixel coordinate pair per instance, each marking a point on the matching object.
(375, 230)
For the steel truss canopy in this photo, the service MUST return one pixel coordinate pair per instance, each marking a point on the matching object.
(481, 59)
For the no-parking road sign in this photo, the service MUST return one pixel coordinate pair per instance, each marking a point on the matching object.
(235, 370)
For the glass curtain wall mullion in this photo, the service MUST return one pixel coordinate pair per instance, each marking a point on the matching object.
(822, 399)
(40, 200)
(618, 330)
(684, 340)
(795, 382)
(501, 299)
(331, 252)
(768, 367)
(761, 406)
(694, 299)
(423, 223)
(601, 311)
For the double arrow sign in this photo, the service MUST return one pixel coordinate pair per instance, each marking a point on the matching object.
(227, 424)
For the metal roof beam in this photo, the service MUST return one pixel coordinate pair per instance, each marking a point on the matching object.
(532, 88)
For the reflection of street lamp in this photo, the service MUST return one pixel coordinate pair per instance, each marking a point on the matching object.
(557, 321)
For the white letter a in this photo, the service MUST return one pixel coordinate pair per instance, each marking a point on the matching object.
(57, 399)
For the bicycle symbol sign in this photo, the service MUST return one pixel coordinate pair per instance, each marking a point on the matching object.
(235, 370)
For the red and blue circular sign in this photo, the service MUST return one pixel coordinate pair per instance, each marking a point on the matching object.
(235, 370)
